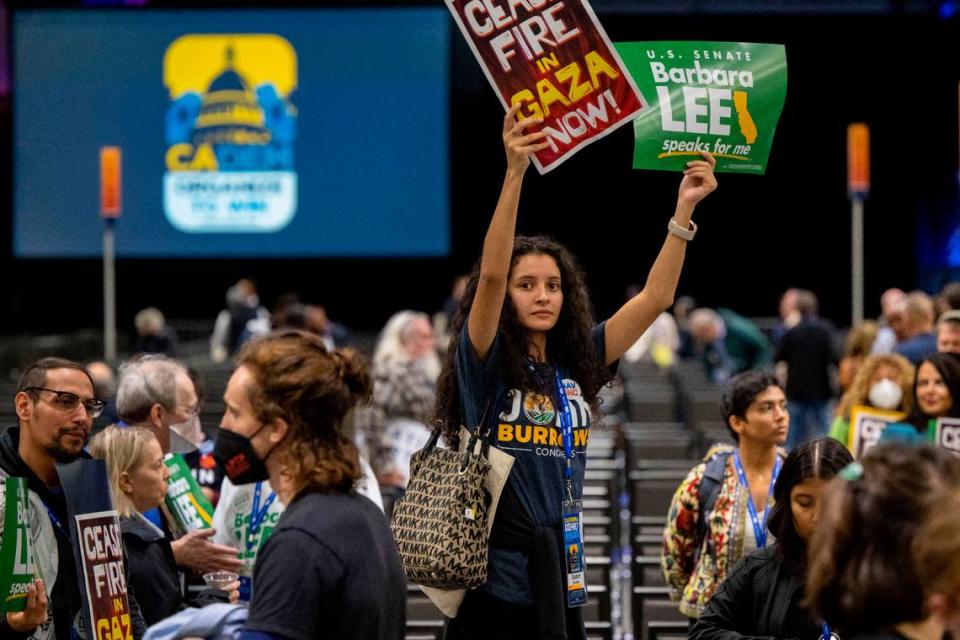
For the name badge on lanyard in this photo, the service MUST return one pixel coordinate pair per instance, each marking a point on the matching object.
(573, 553)
(572, 510)
(759, 526)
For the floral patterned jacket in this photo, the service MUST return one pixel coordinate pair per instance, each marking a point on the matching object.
(694, 577)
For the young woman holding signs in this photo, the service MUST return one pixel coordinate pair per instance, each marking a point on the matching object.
(525, 340)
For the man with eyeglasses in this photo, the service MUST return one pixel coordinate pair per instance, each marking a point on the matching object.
(55, 409)
(156, 392)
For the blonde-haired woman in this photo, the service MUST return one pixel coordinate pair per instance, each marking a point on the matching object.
(138, 481)
(884, 381)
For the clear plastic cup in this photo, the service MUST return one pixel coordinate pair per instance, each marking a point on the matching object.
(220, 579)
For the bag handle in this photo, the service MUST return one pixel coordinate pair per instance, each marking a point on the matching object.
(483, 437)
(478, 434)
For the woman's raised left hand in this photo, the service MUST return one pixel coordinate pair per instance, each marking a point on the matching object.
(698, 180)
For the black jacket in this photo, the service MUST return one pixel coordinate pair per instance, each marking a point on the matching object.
(153, 572)
(65, 600)
(759, 599)
(809, 353)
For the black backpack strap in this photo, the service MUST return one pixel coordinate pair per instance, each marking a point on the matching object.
(707, 493)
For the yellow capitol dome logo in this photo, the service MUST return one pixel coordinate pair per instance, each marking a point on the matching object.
(225, 73)
(231, 128)
(229, 112)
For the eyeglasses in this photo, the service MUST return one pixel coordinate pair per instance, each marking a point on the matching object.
(67, 401)
(190, 411)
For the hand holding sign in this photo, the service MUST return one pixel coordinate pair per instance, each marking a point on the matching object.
(698, 181)
(555, 60)
(520, 146)
(35, 612)
(721, 97)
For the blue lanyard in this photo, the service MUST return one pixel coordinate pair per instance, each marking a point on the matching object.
(55, 520)
(759, 528)
(257, 514)
(566, 431)
(827, 634)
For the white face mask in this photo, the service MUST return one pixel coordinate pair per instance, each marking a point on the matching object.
(885, 394)
(185, 436)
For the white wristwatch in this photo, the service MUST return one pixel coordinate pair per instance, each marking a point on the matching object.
(680, 232)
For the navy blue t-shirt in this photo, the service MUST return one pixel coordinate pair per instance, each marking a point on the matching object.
(527, 427)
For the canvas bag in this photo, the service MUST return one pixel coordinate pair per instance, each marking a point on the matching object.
(449, 600)
(440, 524)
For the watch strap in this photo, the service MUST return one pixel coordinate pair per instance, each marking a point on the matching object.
(680, 232)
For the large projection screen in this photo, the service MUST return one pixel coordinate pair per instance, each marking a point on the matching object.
(243, 133)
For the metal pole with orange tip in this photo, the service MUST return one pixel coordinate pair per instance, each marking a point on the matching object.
(858, 187)
(110, 207)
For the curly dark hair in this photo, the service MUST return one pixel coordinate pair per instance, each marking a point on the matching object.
(570, 343)
(312, 389)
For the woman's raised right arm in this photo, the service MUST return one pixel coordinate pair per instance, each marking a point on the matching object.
(498, 243)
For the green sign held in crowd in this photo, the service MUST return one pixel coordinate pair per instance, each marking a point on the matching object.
(185, 498)
(721, 97)
(16, 552)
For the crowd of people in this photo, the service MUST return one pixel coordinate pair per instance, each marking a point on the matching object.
(780, 533)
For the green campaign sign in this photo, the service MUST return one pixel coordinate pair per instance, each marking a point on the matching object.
(185, 498)
(16, 552)
(721, 97)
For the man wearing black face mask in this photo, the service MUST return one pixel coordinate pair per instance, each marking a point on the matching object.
(248, 510)
(285, 406)
(235, 452)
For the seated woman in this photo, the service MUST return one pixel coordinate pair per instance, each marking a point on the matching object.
(762, 595)
(885, 382)
(883, 562)
(138, 481)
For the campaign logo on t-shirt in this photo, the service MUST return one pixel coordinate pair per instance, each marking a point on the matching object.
(538, 408)
(530, 422)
